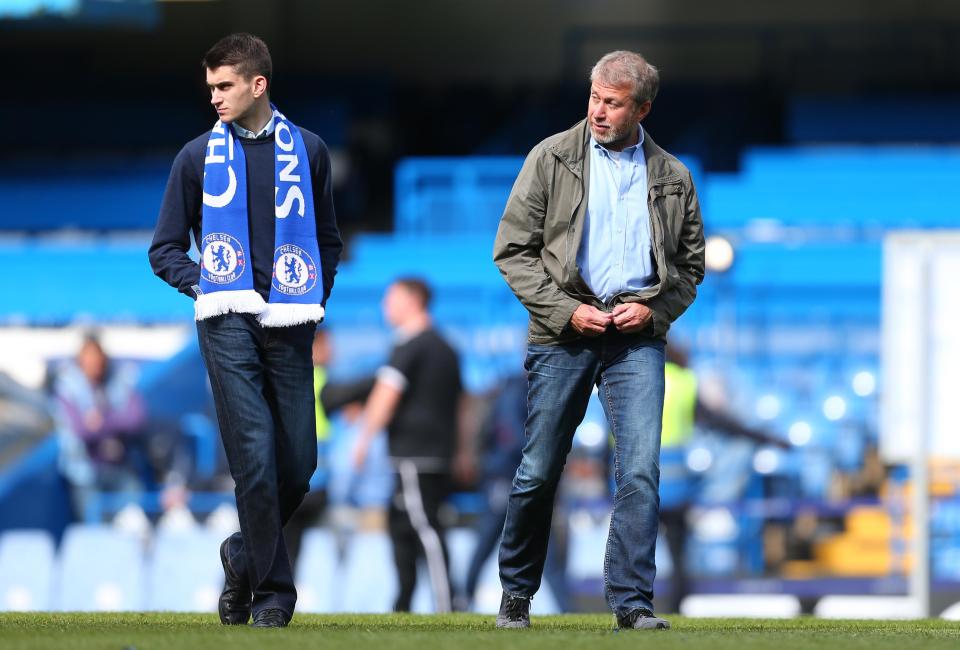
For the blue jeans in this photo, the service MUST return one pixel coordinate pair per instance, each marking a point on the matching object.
(262, 381)
(628, 369)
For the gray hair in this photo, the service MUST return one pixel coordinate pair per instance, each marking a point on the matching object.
(623, 67)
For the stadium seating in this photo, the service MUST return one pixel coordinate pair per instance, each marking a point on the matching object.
(368, 561)
(792, 323)
(100, 570)
(318, 574)
(92, 196)
(26, 570)
(183, 574)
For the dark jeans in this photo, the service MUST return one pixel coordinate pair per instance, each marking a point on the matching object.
(262, 380)
(628, 369)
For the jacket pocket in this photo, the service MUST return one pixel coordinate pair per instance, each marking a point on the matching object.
(669, 202)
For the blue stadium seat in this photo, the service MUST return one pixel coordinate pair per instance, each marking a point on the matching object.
(318, 573)
(460, 545)
(452, 195)
(26, 570)
(101, 569)
(184, 572)
(371, 579)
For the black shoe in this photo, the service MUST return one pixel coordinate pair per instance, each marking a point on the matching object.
(234, 606)
(641, 619)
(270, 618)
(514, 612)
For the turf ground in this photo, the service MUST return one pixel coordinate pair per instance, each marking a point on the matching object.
(461, 631)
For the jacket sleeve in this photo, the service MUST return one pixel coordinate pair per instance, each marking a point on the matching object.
(518, 246)
(688, 261)
(179, 214)
(328, 235)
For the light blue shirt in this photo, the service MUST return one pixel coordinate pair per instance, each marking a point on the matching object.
(616, 254)
(250, 135)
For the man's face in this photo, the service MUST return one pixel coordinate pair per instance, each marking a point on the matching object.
(613, 114)
(92, 362)
(231, 94)
(399, 304)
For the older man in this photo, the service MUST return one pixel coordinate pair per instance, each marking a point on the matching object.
(602, 242)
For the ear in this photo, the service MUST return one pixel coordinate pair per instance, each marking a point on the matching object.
(259, 85)
(643, 110)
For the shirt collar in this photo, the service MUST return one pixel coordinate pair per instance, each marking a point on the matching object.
(631, 151)
(250, 135)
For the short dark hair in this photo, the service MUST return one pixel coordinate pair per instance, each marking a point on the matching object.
(245, 52)
(417, 287)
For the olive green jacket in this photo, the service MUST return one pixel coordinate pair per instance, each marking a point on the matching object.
(542, 227)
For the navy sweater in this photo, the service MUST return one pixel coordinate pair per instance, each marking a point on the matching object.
(180, 214)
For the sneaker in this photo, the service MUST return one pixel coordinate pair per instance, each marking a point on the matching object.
(641, 619)
(514, 612)
(270, 618)
(234, 605)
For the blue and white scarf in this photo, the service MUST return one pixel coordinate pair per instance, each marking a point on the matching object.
(226, 279)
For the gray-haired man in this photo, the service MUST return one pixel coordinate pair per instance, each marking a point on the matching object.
(602, 242)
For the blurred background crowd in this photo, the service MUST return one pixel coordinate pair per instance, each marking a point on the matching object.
(814, 131)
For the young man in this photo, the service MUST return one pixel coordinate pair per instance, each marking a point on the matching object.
(417, 398)
(255, 194)
(602, 242)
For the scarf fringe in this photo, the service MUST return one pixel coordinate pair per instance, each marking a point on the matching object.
(287, 314)
(246, 301)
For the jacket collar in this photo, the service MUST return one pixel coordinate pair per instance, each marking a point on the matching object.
(571, 149)
(571, 146)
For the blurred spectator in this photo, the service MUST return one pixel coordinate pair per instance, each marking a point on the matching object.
(501, 441)
(330, 398)
(100, 417)
(682, 410)
(417, 399)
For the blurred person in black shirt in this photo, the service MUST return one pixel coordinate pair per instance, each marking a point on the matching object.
(416, 397)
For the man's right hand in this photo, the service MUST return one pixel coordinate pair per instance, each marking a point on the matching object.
(590, 321)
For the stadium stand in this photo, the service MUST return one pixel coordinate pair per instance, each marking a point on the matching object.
(792, 328)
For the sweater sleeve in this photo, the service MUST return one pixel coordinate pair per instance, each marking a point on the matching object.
(328, 235)
(179, 215)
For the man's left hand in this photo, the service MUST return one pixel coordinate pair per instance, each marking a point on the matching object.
(631, 317)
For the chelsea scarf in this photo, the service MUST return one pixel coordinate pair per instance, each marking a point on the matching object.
(226, 279)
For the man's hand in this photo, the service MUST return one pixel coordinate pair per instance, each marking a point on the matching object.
(590, 321)
(631, 317)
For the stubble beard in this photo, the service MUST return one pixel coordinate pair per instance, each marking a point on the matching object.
(613, 135)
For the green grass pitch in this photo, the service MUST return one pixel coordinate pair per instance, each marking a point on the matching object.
(461, 631)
